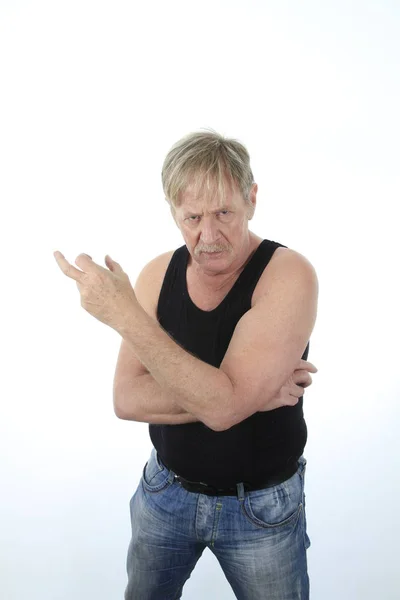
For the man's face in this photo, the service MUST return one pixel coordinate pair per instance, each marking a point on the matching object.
(214, 234)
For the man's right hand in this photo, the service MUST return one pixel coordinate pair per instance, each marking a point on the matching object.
(293, 388)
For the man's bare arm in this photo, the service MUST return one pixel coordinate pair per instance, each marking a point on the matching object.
(137, 395)
(196, 386)
(149, 403)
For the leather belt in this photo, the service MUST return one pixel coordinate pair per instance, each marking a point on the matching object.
(200, 487)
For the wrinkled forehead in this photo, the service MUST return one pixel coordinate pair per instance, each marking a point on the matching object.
(205, 192)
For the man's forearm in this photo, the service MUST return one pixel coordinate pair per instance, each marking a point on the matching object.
(145, 401)
(199, 388)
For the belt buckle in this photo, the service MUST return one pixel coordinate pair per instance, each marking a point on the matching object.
(210, 488)
(206, 486)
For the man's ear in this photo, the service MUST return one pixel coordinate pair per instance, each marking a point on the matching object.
(250, 212)
(173, 213)
(253, 201)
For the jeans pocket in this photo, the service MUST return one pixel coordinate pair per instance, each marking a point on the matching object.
(156, 476)
(277, 506)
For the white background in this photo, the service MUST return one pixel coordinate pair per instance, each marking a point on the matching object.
(92, 96)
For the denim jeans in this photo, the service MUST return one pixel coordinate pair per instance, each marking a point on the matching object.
(258, 537)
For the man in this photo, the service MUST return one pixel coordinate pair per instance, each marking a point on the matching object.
(213, 357)
(247, 306)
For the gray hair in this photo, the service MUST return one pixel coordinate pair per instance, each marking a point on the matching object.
(201, 156)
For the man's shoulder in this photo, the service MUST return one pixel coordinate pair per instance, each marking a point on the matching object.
(283, 255)
(160, 263)
(284, 260)
(149, 282)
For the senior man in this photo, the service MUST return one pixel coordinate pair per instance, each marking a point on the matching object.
(224, 409)
(214, 357)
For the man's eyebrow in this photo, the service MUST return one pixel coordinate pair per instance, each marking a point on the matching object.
(192, 212)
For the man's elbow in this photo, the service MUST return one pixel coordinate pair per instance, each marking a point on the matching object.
(218, 427)
(215, 422)
(121, 411)
(228, 419)
(224, 424)
(242, 407)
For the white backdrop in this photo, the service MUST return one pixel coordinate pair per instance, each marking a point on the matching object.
(92, 96)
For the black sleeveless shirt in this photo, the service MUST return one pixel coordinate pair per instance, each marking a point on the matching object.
(261, 445)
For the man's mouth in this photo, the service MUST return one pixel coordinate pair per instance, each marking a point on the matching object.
(212, 253)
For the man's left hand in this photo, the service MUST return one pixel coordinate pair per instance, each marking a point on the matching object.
(105, 294)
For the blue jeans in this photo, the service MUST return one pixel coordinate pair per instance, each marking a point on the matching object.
(258, 537)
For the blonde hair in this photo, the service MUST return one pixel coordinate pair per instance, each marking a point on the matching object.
(203, 156)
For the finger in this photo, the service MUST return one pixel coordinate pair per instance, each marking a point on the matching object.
(305, 364)
(113, 265)
(68, 269)
(86, 263)
(297, 388)
(293, 400)
(302, 378)
(309, 366)
(306, 375)
(301, 375)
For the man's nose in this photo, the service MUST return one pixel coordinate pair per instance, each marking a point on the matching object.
(209, 231)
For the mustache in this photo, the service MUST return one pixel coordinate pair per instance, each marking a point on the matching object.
(214, 249)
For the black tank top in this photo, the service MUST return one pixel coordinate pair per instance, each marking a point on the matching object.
(261, 445)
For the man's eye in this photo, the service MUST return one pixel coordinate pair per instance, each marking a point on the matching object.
(220, 212)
